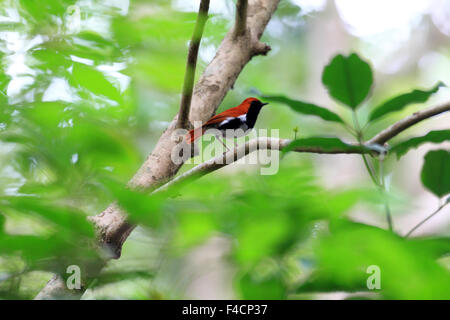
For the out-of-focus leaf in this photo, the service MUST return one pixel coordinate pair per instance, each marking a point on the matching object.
(50, 58)
(159, 46)
(106, 278)
(329, 144)
(322, 281)
(348, 79)
(2, 222)
(400, 102)
(193, 228)
(436, 246)
(71, 141)
(408, 269)
(269, 287)
(52, 253)
(271, 232)
(163, 28)
(88, 77)
(42, 12)
(344, 200)
(244, 209)
(4, 81)
(306, 108)
(433, 136)
(141, 207)
(436, 172)
(68, 219)
(91, 45)
(31, 247)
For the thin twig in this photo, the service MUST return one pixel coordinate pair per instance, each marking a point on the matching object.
(360, 138)
(426, 219)
(240, 26)
(191, 64)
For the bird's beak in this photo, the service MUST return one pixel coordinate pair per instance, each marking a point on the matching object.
(264, 103)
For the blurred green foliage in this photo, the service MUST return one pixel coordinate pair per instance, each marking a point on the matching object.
(102, 91)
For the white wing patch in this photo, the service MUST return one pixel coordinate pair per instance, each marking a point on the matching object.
(243, 118)
(225, 121)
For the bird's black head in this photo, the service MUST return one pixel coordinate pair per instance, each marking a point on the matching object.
(255, 103)
(253, 111)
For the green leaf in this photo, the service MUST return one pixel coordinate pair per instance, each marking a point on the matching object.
(329, 144)
(348, 79)
(436, 172)
(140, 206)
(306, 108)
(433, 136)
(400, 102)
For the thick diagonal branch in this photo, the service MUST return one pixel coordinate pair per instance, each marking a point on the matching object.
(191, 64)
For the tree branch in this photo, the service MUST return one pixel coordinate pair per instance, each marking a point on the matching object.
(240, 26)
(191, 64)
(229, 157)
(404, 124)
(279, 144)
(218, 77)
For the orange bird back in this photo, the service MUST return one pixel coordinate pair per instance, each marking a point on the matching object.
(218, 118)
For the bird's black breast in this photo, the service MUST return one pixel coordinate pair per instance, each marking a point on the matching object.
(253, 113)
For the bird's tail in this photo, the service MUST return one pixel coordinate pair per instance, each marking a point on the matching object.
(194, 134)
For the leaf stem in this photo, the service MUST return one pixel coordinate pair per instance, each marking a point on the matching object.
(383, 192)
(360, 138)
(380, 185)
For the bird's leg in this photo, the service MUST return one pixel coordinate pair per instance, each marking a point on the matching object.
(221, 141)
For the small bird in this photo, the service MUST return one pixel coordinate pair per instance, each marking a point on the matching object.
(241, 117)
